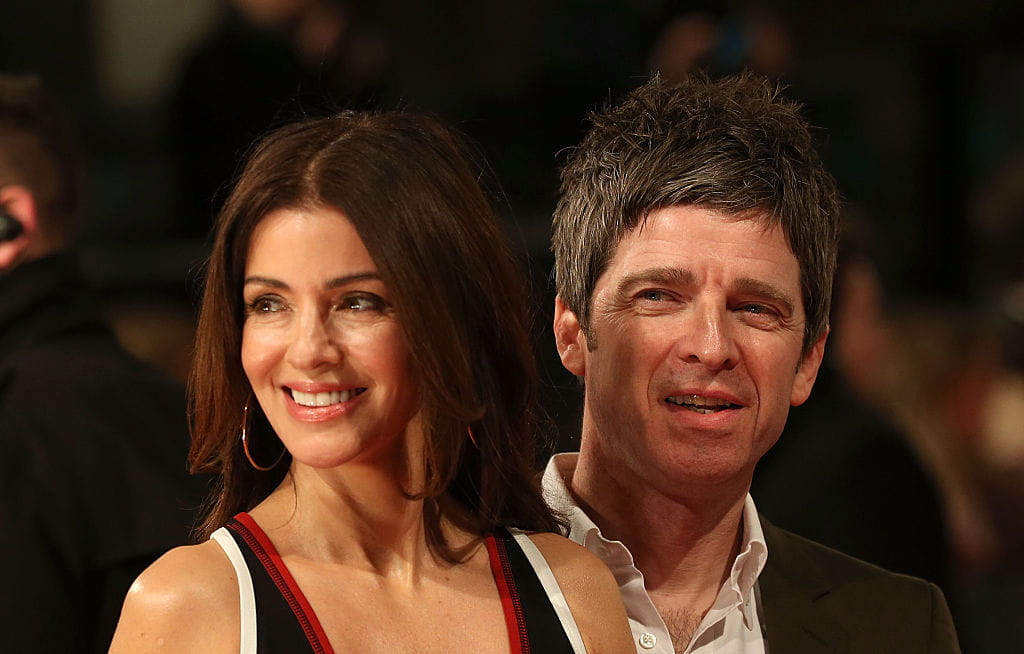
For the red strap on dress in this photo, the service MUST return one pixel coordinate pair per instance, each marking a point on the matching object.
(260, 544)
(518, 639)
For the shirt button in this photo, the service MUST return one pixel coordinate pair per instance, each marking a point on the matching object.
(648, 640)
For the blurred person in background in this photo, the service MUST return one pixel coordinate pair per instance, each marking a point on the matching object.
(266, 63)
(998, 229)
(945, 378)
(93, 482)
(899, 499)
(721, 41)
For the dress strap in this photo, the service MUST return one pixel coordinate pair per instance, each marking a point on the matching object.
(246, 597)
(534, 625)
(511, 604)
(278, 574)
(551, 587)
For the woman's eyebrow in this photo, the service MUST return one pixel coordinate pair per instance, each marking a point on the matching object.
(348, 279)
(330, 284)
(265, 281)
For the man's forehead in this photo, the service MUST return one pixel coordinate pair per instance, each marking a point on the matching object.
(760, 222)
(758, 215)
(672, 247)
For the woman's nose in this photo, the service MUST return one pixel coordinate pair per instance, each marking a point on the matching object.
(313, 343)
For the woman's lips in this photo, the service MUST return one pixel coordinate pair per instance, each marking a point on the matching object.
(321, 405)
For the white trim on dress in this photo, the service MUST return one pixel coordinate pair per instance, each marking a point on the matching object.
(553, 590)
(246, 597)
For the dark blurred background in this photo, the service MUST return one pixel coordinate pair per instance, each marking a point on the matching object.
(918, 105)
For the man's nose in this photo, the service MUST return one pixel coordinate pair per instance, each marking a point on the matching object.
(708, 339)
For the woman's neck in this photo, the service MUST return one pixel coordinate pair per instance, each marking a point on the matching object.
(354, 515)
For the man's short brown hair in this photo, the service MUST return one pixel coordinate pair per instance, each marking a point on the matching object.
(733, 145)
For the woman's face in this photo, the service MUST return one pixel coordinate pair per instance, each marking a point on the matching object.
(321, 344)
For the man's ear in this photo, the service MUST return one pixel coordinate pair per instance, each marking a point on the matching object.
(807, 371)
(569, 339)
(18, 202)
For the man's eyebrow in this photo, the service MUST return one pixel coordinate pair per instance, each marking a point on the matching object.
(759, 288)
(665, 276)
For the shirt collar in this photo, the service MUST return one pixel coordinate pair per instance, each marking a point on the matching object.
(648, 628)
(555, 486)
(737, 589)
(746, 568)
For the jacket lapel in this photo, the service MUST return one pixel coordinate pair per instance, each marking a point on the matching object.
(791, 587)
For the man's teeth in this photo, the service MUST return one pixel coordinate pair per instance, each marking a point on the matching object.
(324, 399)
(699, 403)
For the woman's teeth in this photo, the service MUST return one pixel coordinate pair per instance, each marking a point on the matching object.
(326, 398)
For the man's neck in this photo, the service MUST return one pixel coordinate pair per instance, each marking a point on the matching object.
(684, 544)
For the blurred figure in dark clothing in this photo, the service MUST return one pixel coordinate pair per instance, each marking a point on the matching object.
(721, 42)
(266, 63)
(93, 482)
(843, 474)
(846, 477)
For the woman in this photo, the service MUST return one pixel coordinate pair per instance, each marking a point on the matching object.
(363, 386)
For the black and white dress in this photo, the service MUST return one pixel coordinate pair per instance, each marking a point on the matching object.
(276, 617)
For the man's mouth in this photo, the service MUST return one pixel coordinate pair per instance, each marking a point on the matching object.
(701, 404)
(325, 398)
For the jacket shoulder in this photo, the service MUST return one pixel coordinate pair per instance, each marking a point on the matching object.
(847, 599)
(803, 558)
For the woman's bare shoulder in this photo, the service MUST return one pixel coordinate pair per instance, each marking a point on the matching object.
(186, 601)
(570, 561)
(591, 592)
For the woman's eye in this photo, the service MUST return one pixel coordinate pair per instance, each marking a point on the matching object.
(363, 303)
(265, 304)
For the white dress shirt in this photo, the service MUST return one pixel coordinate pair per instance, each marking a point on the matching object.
(733, 624)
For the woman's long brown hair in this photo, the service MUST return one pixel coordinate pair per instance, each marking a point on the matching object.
(408, 186)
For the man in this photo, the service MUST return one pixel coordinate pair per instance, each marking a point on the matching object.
(695, 243)
(93, 482)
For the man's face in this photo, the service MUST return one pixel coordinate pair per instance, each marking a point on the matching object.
(697, 328)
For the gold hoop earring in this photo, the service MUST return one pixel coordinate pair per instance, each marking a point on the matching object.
(245, 443)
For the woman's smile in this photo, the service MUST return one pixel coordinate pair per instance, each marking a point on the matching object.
(324, 398)
(323, 406)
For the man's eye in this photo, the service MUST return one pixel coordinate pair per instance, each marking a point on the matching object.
(653, 296)
(757, 314)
